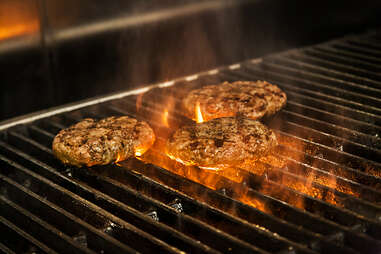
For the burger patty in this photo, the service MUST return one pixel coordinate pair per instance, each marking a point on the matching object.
(221, 142)
(91, 142)
(249, 98)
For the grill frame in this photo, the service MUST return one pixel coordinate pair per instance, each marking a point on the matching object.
(113, 210)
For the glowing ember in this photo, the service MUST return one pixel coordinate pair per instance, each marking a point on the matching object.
(198, 114)
(210, 168)
(189, 163)
(165, 118)
(179, 160)
(139, 151)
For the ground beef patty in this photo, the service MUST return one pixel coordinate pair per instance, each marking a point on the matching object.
(249, 98)
(91, 142)
(221, 142)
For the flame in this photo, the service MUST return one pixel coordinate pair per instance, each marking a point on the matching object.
(291, 173)
(211, 177)
(139, 151)
(165, 118)
(118, 159)
(198, 114)
(190, 163)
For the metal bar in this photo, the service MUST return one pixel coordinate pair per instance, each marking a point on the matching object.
(322, 106)
(92, 214)
(300, 75)
(136, 181)
(99, 178)
(314, 129)
(96, 113)
(344, 51)
(361, 84)
(333, 66)
(124, 105)
(104, 201)
(316, 93)
(359, 48)
(365, 42)
(37, 227)
(20, 240)
(328, 153)
(5, 249)
(273, 74)
(343, 63)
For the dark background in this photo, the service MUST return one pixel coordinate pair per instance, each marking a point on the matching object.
(54, 52)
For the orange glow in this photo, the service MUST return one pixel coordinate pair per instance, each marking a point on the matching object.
(17, 30)
(139, 100)
(18, 18)
(198, 114)
(117, 158)
(292, 172)
(212, 178)
(140, 151)
(190, 163)
(165, 118)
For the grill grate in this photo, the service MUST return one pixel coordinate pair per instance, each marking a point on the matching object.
(325, 199)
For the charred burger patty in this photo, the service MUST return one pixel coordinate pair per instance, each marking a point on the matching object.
(91, 142)
(221, 142)
(251, 99)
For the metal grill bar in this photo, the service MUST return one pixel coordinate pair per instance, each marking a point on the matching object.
(367, 43)
(125, 106)
(361, 49)
(332, 67)
(37, 227)
(346, 52)
(121, 230)
(19, 240)
(97, 114)
(345, 64)
(104, 201)
(140, 202)
(323, 127)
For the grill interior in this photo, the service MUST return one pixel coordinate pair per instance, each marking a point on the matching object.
(320, 194)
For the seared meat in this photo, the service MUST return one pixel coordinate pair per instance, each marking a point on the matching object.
(221, 142)
(249, 98)
(92, 142)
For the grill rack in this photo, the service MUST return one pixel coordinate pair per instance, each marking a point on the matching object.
(334, 108)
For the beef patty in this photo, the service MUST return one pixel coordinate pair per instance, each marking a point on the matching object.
(91, 142)
(221, 142)
(249, 98)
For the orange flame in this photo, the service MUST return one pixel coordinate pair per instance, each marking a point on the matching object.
(198, 114)
(165, 118)
(139, 151)
(118, 159)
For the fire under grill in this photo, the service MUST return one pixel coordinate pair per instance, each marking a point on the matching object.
(320, 192)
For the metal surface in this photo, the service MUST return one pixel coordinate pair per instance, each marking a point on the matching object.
(326, 199)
